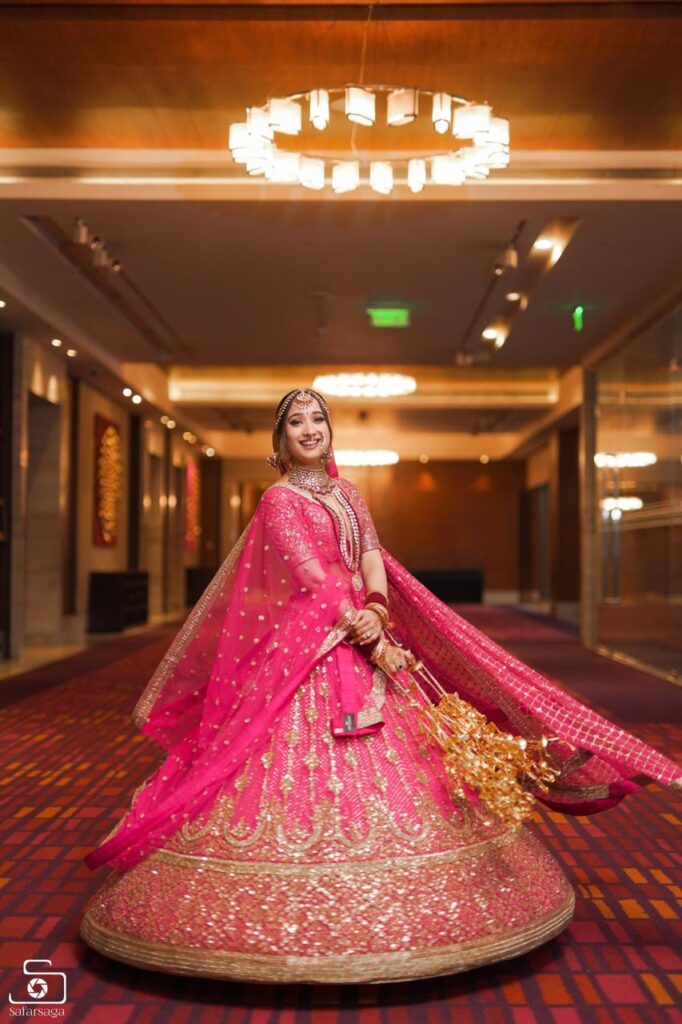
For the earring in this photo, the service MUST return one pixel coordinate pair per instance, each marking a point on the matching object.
(327, 456)
(272, 461)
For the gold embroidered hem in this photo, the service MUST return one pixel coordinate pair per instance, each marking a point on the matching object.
(330, 860)
(404, 965)
(372, 920)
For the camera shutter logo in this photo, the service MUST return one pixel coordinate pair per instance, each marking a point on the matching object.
(42, 984)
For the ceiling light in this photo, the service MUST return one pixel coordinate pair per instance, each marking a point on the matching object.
(543, 244)
(170, 424)
(416, 174)
(319, 109)
(251, 141)
(513, 296)
(80, 233)
(360, 105)
(284, 167)
(345, 176)
(186, 435)
(626, 503)
(210, 452)
(365, 385)
(381, 177)
(136, 399)
(71, 353)
(624, 460)
(258, 125)
(366, 457)
(423, 459)
(471, 119)
(284, 115)
(311, 172)
(164, 419)
(57, 342)
(497, 133)
(447, 170)
(556, 253)
(127, 392)
(489, 333)
(2, 303)
(485, 459)
(441, 112)
(510, 258)
(401, 106)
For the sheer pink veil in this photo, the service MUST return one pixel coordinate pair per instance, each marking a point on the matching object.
(274, 608)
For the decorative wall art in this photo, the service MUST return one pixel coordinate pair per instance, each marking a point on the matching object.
(192, 506)
(108, 478)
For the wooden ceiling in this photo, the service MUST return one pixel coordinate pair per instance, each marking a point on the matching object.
(173, 75)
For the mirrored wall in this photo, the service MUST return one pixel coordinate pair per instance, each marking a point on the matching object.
(638, 509)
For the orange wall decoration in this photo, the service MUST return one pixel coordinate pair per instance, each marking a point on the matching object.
(108, 477)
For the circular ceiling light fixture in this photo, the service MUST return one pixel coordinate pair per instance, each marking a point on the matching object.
(366, 457)
(365, 385)
(252, 142)
(624, 460)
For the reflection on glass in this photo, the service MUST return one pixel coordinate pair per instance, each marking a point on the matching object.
(639, 498)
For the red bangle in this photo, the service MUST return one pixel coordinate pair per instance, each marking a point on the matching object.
(376, 597)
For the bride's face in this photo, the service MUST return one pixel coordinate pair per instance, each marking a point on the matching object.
(307, 434)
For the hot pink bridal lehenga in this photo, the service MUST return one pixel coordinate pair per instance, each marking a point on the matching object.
(275, 845)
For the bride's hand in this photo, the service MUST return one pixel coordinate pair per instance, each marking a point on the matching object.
(397, 658)
(366, 628)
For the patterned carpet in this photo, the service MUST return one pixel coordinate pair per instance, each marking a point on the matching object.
(70, 759)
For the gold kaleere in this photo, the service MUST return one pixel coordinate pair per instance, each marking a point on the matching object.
(500, 768)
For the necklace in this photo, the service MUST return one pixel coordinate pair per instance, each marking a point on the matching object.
(349, 531)
(324, 489)
(314, 479)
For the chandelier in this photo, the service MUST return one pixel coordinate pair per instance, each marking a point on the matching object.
(482, 140)
(365, 385)
(366, 457)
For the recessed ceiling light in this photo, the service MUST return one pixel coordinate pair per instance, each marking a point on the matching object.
(543, 244)
(71, 353)
(365, 385)
(164, 419)
(2, 303)
(484, 459)
(513, 296)
(170, 424)
(57, 342)
(127, 392)
(423, 459)
(210, 452)
(490, 333)
(136, 399)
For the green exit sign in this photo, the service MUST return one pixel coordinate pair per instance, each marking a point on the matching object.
(381, 316)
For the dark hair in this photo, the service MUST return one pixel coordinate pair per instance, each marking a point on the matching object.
(279, 441)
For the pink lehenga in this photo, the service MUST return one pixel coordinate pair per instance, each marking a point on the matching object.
(271, 846)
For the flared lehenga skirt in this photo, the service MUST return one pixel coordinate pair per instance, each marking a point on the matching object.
(334, 860)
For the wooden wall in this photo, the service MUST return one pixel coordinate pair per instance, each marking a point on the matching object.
(449, 515)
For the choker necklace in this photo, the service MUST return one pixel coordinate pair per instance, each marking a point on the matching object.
(315, 479)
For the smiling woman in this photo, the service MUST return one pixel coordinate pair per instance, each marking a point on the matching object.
(316, 818)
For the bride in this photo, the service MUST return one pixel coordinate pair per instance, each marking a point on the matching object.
(348, 764)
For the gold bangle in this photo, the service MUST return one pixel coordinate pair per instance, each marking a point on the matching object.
(378, 652)
(379, 610)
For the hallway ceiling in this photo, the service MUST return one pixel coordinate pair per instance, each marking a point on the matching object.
(249, 283)
(117, 112)
(173, 75)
